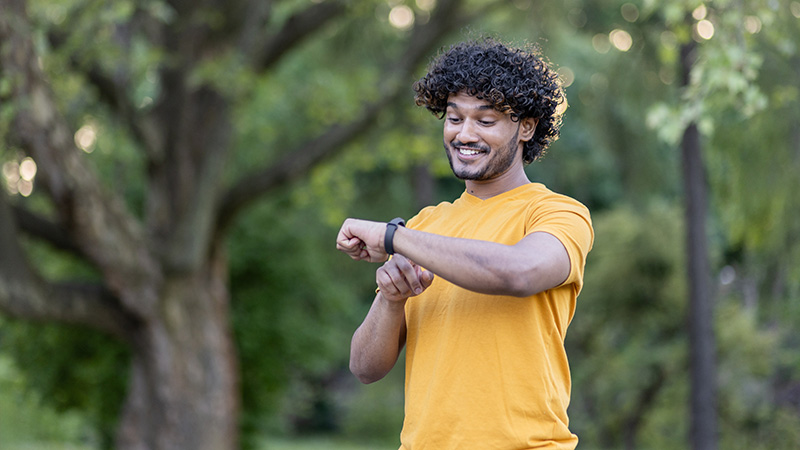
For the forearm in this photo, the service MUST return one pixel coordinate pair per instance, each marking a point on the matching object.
(539, 261)
(377, 343)
(524, 269)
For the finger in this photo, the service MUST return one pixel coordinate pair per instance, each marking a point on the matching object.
(390, 277)
(355, 248)
(426, 278)
(410, 273)
(346, 244)
(387, 286)
(344, 234)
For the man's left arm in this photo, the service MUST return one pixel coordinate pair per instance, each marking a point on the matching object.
(536, 263)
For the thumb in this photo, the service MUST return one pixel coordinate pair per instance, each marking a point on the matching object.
(426, 278)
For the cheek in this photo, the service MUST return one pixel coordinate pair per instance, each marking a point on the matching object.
(449, 131)
(496, 140)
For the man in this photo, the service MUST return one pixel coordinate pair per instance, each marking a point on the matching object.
(480, 291)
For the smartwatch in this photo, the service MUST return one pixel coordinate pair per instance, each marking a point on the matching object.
(388, 238)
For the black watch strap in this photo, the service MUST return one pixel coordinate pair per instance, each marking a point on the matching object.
(388, 238)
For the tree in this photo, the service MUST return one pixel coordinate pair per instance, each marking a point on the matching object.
(718, 69)
(700, 317)
(160, 257)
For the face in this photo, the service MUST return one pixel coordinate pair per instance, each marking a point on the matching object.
(482, 143)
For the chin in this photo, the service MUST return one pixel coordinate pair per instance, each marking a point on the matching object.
(471, 176)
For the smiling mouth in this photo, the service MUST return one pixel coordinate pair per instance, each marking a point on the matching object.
(469, 151)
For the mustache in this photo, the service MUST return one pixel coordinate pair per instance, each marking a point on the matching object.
(477, 147)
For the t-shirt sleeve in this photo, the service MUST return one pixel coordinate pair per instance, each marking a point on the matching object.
(570, 222)
(423, 214)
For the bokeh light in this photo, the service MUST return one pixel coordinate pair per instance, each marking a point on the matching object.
(600, 43)
(562, 107)
(401, 17)
(630, 12)
(566, 75)
(700, 12)
(27, 169)
(621, 39)
(19, 176)
(426, 5)
(86, 138)
(752, 24)
(705, 29)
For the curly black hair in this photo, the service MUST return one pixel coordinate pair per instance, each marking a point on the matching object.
(515, 81)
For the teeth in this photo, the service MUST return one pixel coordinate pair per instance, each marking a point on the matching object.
(466, 151)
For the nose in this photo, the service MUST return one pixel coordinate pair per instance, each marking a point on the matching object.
(467, 132)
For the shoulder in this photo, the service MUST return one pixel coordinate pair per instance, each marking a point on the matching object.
(430, 213)
(541, 200)
(560, 215)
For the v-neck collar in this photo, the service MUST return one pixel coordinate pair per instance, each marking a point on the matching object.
(475, 200)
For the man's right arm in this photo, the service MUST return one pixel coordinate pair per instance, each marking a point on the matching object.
(377, 343)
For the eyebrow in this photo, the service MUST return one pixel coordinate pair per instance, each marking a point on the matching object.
(483, 107)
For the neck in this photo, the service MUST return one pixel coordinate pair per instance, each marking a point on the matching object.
(496, 186)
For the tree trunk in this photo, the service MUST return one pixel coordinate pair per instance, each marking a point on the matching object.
(702, 355)
(183, 390)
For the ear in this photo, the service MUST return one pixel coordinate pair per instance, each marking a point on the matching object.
(527, 127)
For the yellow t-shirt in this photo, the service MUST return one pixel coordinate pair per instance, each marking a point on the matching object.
(487, 371)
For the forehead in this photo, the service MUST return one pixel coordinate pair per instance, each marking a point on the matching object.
(463, 101)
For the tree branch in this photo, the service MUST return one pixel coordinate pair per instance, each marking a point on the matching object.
(112, 90)
(293, 166)
(302, 159)
(25, 295)
(46, 230)
(297, 28)
(99, 223)
(113, 94)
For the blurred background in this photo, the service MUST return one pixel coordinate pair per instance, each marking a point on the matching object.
(236, 136)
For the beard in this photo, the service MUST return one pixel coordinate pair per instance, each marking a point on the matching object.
(501, 159)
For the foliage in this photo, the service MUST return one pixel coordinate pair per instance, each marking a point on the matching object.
(24, 418)
(289, 312)
(629, 354)
(374, 413)
(76, 370)
(68, 368)
(626, 343)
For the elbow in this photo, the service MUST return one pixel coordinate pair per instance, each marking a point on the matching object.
(521, 287)
(524, 283)
(364, 375)
(365, 379)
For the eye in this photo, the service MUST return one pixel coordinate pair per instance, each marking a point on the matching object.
(487, 122)
(453, 119)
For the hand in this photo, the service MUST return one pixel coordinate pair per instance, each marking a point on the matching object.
(401, 278)
(362, 240)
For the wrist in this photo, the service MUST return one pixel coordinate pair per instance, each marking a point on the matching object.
(394, 305)
(388, 237)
